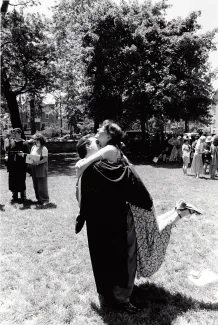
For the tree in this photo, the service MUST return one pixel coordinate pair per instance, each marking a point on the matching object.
(186, 90)
(4, 6)
(124, 59)
(70, 70)
(130, 63)
(26, 59)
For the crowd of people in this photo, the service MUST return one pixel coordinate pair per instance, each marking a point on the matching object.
(202, 154)
(199, 152)
(16, 152)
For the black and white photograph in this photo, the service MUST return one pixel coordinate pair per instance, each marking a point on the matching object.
(109, 162)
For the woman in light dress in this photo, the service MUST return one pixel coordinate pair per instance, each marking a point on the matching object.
(186, 150)
(197, 167)
(39, 170)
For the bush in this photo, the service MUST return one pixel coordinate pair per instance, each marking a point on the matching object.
(51, 131)
(86, 127)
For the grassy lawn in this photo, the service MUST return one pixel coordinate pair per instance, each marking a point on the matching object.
(46, 275)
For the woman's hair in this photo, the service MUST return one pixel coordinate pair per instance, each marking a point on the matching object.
(40, 138)
(17, 130)
(115, 132)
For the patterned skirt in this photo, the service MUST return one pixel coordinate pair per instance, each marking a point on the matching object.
(151, 242)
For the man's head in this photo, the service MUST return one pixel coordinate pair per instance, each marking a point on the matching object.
(87, 145)
(17, 133)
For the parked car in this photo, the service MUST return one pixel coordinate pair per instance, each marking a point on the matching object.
(191, 135)
(64, 138)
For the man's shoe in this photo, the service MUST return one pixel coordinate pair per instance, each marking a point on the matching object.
(128, 308)
(23, 196)
(123, 307)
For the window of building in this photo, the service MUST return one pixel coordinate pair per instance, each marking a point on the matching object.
(46, 116)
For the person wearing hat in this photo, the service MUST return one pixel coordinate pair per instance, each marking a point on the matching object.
(16, 165)
(39, 170)
(214, 157)
(186, 150)
(206, 156)
(197, 162)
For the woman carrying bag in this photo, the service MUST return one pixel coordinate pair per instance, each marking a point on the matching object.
(39, 170)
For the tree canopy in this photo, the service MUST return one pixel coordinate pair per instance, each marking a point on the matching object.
(133, 63)
(125, 62)
(26, 58)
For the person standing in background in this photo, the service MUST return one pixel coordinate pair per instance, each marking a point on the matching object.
(197, 162)
(179, 148)
(214, 157)
(16, 166)
(206, 156)
(39, 170)
(194, 141)
(174, 153)
(186, 150)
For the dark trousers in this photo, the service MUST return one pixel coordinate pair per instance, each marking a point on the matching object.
(40, 185)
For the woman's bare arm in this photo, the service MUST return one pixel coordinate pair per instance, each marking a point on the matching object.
(109, 153)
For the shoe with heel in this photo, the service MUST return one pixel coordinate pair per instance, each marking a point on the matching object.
(185, 209)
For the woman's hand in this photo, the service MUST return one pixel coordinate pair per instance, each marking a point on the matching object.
(35, 163)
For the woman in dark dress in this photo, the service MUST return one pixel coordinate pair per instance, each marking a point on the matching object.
(16, 165)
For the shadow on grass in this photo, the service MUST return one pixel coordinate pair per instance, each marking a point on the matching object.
(148, 160)
(58, 164)
(161, 307)
(46, 206)
(62, 164)
(28, 203)
(167, 165)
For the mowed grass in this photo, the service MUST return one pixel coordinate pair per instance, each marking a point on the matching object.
(46, 275)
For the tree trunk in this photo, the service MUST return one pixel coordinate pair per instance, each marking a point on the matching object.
(186, 126)
(61, 118)
(96, 125)
(32, 115)
(13, 109)
(12, 103)
(142, 122)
